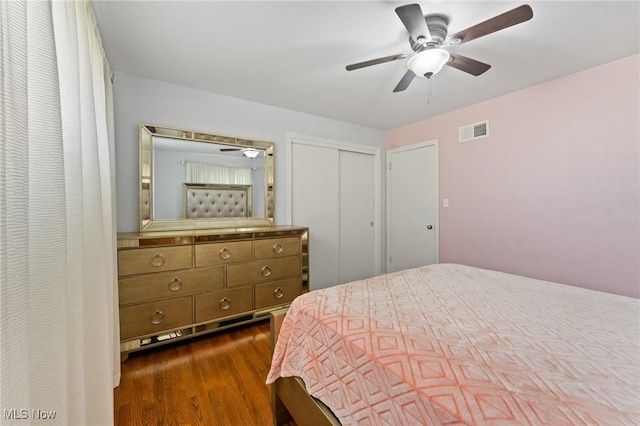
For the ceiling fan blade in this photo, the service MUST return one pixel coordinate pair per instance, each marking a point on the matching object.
(376, 61)
(469, 65)
(230, 149)
(406, 79)
(413, 19)
(497, 23)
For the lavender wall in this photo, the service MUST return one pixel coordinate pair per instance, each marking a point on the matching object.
(553, 192)
(142, 100)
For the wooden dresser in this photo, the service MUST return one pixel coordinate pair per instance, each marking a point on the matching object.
(176, 285)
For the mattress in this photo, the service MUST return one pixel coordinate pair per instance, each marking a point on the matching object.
(453, 344)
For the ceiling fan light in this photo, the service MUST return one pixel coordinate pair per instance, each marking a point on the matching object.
(428, 62)
(251, 153)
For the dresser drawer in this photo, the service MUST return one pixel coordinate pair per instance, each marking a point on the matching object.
(157, 259)
(223, 253)
(145, 288)
(277, 247)
(263, 270)
(223, 303)
(154, 317)
(277, 292)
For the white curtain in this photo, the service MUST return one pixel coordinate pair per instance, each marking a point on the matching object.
(213, 173)
(58, 328)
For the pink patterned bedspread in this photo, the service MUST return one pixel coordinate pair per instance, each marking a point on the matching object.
(451, 344)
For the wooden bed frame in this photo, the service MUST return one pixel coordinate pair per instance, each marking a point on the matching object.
(289, 398)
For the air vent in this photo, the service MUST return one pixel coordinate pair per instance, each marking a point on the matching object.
(474, 131)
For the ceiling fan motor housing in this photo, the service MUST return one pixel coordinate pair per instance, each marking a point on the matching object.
(437, 25)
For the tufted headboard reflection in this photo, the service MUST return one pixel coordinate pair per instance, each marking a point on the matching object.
(201, 200)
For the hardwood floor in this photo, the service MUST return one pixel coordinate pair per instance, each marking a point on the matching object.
(218, 379)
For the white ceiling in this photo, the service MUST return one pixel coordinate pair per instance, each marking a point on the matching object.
(293, 54)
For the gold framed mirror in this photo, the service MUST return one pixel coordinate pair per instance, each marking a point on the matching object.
(171, 158)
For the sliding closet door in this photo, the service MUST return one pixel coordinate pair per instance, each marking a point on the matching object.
(334, 192)
(314, 181)
(356, 194)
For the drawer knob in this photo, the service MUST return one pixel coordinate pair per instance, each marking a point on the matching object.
(157, 317)
(175, 284)
(225, 304)
(277, 249)
(278, 293)
(266, 271)
(156, 260)
(225, 254)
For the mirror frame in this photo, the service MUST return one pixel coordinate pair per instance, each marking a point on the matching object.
(148, 223)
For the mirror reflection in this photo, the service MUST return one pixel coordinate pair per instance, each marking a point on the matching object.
(196, 180)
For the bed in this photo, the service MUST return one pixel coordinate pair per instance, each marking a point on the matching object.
(205, 200)
(453, 344)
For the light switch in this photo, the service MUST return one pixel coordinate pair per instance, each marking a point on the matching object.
(445, 202)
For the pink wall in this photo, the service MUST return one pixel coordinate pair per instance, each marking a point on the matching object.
(554, 191)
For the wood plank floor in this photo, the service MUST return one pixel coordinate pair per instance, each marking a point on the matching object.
(218, 379)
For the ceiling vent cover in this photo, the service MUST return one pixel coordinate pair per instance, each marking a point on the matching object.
(474, 131)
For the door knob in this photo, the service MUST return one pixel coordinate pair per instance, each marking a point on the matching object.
(429, 227)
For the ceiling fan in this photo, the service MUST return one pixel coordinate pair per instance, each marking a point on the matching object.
(247, 152)
(428, 36)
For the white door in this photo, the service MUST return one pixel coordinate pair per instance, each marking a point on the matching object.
(334, 191)
(314, 183)
(412, 205)
(356, 192)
